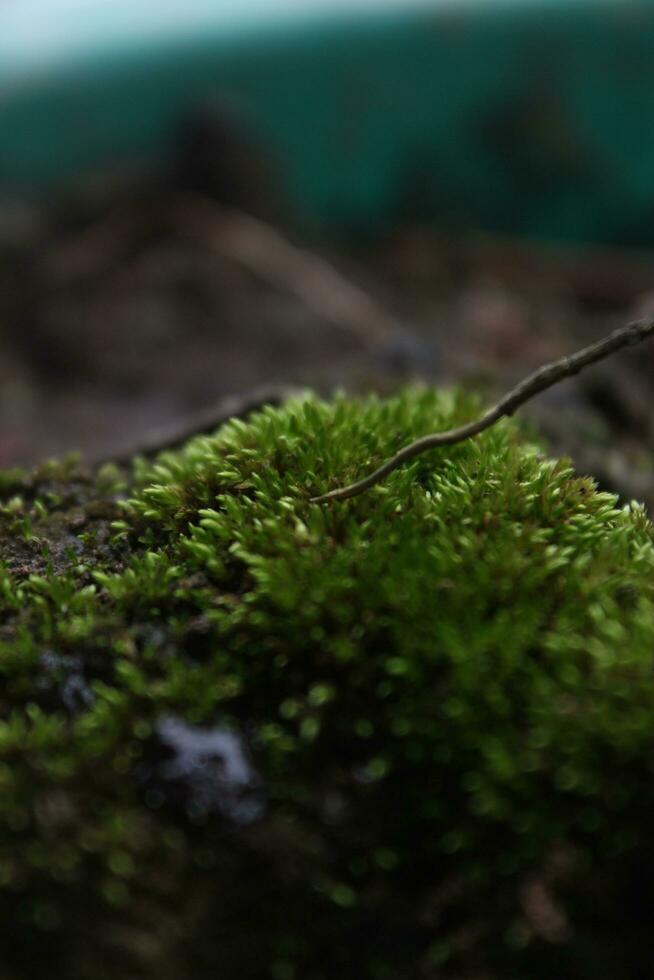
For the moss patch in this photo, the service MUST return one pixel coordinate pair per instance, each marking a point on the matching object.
(405, 736)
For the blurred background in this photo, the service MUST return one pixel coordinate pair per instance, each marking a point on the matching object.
(201, 200)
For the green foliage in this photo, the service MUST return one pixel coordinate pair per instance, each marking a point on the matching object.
(445, 685)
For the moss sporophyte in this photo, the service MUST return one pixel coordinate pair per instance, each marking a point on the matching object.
(247, 735)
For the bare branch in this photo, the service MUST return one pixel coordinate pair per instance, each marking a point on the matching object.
(540, 380)
(268, 254)
(203, 422)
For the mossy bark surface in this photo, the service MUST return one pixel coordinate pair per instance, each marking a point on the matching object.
(247, 736)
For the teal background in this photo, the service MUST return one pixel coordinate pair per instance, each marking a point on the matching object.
(534, 119)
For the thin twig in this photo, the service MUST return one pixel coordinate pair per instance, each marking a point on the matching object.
(254, 245)
(207, 420)
(545, 377)
(267, 254)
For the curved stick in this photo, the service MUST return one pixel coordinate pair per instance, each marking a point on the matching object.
(541, 379)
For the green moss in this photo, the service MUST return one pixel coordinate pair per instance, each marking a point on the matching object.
(445, 686)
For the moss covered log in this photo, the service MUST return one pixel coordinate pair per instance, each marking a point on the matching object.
(247, 736)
